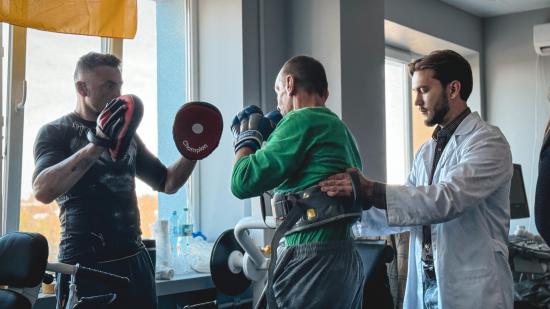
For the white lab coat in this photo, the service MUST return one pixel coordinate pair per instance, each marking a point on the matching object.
(468, 209)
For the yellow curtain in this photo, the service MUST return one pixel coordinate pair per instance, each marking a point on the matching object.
(107, 18)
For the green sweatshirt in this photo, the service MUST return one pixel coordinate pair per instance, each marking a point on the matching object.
(308, 145)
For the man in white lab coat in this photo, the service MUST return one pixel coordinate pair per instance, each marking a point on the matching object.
(456, 199)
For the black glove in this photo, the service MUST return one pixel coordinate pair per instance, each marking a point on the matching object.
(250, 128)
(274, 117)
(109, 122)
(118, 121)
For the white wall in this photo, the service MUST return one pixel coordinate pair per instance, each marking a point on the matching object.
(314, 30)
(220, 83)
(347, 36)
(363, 92)
(517, 81)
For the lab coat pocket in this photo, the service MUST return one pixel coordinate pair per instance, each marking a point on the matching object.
(468, 289)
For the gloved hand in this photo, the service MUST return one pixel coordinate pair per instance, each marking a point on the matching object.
(118, 123)
(274, 117)
(250, 128)
(109, 123)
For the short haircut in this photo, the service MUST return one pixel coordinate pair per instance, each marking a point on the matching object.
(309, 74)
(92, 60)
(448, 66)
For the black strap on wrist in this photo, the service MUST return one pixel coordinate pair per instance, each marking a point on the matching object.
(103, 142)
(358, 198)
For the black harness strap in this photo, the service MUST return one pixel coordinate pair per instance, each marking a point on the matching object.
(298, 209)
(262, 203)
(295, 213)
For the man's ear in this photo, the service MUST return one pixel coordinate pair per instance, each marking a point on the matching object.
(454, 89)
(290, 84)
(81, 88)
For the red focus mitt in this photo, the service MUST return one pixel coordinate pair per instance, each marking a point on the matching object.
(118, 121)
(197, 129)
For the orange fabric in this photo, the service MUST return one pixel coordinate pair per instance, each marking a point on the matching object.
(106, 18)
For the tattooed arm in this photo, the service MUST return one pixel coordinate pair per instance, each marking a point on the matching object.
(59, 178)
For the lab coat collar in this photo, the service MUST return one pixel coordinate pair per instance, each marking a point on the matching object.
(465, 127)
(468, 124)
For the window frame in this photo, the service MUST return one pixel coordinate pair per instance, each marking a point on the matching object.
(192, 81)
(404, 57)
(16, 96)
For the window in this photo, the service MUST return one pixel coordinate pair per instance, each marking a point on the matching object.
(405, 128)
(43, 66)
(50, 63)
(139, 73)
(398, 152)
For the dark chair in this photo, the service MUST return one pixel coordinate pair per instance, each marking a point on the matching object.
(23, 260)
(375, 254)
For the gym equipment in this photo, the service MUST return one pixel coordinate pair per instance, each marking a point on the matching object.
(236, 257)
(23, 263)
(226, 265)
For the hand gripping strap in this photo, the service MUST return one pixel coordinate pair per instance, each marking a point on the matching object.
(357, 192)
(320, 208)
(103, 142)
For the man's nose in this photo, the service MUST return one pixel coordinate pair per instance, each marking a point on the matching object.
(117, 91)
(418, 100)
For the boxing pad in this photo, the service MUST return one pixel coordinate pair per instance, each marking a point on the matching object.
(118, 121)
(131, 118)
(197, 129)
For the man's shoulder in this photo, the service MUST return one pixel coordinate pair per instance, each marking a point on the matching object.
(486, 130)
(313, 116)
(62, 124)
(65, 120)
(319, 111)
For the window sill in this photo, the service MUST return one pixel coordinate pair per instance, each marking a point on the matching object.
(187, 282)
(184, 283)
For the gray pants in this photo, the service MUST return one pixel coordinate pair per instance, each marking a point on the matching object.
(319, 275)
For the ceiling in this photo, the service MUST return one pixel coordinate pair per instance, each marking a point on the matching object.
(490, 8)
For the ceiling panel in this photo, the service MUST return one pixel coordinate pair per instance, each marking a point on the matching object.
(489, 8)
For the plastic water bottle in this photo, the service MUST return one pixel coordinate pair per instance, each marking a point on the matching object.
(174, 233)
(186, 229)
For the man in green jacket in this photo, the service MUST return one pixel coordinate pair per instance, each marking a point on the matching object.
(318, 267)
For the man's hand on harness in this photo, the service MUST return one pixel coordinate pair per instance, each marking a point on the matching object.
(251, 128)
(341, 184)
